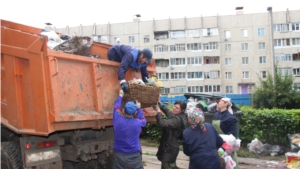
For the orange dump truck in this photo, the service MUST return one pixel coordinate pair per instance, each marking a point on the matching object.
(56, 108)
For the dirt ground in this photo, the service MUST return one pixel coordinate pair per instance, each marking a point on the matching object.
(151, 161)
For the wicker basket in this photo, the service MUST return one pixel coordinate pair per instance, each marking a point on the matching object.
(146, 95)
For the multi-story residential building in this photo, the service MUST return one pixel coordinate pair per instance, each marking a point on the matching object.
(216, 54)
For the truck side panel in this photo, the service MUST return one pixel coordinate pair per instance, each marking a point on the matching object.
(45, 91)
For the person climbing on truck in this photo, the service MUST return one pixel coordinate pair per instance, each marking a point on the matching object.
(132, 57)
(127, 125)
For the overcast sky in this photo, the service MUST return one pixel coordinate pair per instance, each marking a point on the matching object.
(87, 12)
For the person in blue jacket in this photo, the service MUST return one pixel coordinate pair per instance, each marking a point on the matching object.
(225, 122)
(201, 142)
(127, 125)
(132, 57)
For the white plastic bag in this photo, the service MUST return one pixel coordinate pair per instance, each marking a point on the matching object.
(229, 163)
(256, 147)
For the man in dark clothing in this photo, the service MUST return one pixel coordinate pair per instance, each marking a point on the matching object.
(132, 57)
(127, 126)
(172, 128)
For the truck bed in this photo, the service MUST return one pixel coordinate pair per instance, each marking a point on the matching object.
(43, 91)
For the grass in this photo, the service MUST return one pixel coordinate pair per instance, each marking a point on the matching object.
(243, 152)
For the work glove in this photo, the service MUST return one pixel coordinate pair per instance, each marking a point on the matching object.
(123, 84)
(138, 104)
(121, 93)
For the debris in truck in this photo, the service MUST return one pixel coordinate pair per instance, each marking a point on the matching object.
(78, 45)
(53, 38)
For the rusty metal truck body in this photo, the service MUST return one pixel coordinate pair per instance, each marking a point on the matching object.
(56, 108)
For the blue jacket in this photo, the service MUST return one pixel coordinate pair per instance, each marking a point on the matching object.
(228, 122)
(128, 56)
(127, 130)
(202, 147)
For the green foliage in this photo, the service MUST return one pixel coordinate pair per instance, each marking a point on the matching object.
(282, 95)
(152, 132)
(269, 125)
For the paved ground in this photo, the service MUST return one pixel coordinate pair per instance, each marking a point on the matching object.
(183, 161)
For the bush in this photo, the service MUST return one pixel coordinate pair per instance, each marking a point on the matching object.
(269, 125)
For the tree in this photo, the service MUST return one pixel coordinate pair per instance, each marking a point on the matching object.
(284, 95)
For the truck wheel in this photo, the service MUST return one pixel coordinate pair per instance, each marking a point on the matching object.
(11, 155)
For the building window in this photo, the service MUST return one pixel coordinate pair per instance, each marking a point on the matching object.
(262, 45)
(177, 61)
(164, 90)
(161, 63)
(296, 72)
(195, 75)
(226, 35)
(244, 32)
(131, 39)
(178, 75)
(160, 48)
(263, 74)
(162, 76)
(229, 89)
(244, 46)
(281, 42)
(161, 35)
(177, 34)
(195, 89)
(210, 46)
(262, 60)
(227, 61)
(193, 33)
(281, 27)
(100, 38)
(146, 39)
(261, 32)
(210, 32)
(245, 60)
(213, 74)
(227, 47)
(296, 26)
(297, 86)
(246, 75)
(283, 57)
(211, 60)
(212, 88)
(285, 71)
(228, 75)
(178, 89)
(116, 40)
(194, 60)
(296, 41)
(177, 47)
(193, 46)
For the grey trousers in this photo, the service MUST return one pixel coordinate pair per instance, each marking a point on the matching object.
(128, 161)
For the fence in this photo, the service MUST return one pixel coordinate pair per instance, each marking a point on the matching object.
(242, 99)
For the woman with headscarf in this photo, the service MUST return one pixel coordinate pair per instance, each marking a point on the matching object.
(224, 121)
(201, 141)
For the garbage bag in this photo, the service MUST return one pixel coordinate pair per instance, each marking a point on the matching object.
(256, 147)
(294, 141)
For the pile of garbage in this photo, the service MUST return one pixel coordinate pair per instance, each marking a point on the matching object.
(259, 148)
(151, 82)
(77, 45)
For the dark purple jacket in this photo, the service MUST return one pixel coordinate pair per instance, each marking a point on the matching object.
(122, 54)
(228, 122)
(202, 147)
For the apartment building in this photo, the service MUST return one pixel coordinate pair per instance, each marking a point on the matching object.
(216, 54)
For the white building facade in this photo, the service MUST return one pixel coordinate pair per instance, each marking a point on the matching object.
(217, 54)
